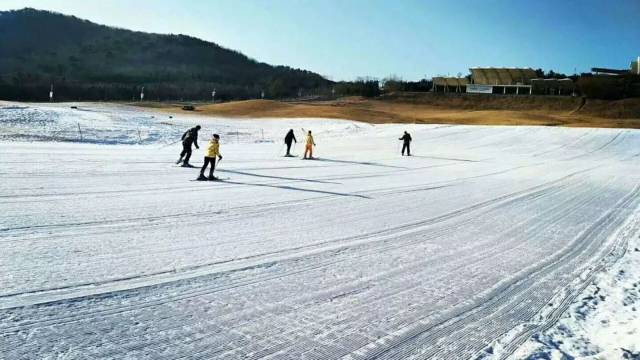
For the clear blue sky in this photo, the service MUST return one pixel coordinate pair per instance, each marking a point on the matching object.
(343, 39)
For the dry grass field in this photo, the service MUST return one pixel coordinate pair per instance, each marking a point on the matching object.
(435, 108)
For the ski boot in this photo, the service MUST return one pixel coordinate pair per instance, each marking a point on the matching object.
(201, 178)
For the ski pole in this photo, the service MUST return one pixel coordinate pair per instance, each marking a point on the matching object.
(218, 164)
(164, 146)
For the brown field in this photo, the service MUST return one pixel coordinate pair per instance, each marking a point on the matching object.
(437, 108)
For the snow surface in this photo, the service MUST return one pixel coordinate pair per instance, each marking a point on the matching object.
(490, 242)
(603, 323)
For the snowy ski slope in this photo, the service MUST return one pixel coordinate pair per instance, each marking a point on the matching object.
(481, 239)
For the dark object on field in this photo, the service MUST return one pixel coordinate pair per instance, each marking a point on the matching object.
(188, 108)
(74, 107)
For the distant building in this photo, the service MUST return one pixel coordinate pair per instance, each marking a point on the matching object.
(633, 69)
(501, 80)
(553, 86)
(519, 81)
(513, 81)
(450, 84)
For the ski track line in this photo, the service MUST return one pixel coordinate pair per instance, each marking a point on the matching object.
(422, 265)
(240, 324)
(612, 254)
(403, 341)
(405, 288)
(573, 142)
(532, 191)
(500, 135)
(380, 191)
(421, 223)
(180, 188)
(610, 142)
(509, 292)
(588, 233)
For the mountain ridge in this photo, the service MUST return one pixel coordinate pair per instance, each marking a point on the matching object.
(89, 61)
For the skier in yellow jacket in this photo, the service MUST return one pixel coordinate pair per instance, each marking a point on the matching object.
(309, 146)
(213, 151)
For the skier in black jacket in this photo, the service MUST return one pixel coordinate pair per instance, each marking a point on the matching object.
(289, 139)
(189, 137)
(406, 143)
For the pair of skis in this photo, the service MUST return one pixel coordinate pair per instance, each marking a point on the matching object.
(207, 179)
(213, 180)
(202, 178)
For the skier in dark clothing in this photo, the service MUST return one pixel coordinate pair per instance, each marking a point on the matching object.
(189, 137)
(289, 139)
(406, 143)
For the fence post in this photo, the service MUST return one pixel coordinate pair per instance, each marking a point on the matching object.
(80, 131)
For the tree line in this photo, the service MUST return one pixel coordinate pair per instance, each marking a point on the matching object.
(87, 61)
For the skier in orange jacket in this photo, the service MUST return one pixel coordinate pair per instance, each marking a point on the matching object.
(309, 146)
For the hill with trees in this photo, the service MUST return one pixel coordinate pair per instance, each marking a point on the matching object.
(87, 61)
